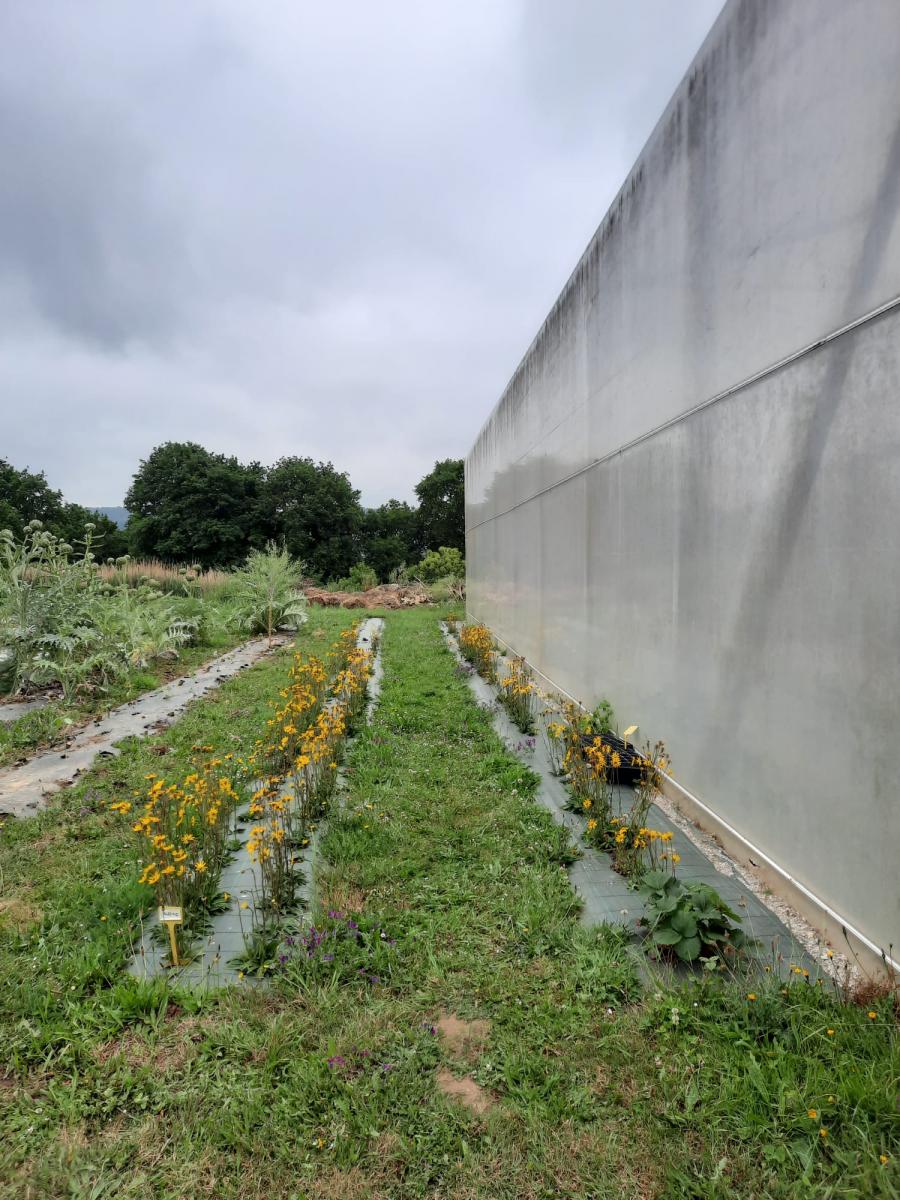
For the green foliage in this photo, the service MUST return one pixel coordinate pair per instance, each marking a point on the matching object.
(264, 592)
(64, 625)
(360, 579)
(444, 563)
(390, 537)
(314, 511)
(602, 719)
(188, 505)
(26, 497)
(688, 919)
(442, 507)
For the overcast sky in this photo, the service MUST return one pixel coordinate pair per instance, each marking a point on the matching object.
(325, 229)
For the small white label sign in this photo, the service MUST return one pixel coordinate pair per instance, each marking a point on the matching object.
(171, 914)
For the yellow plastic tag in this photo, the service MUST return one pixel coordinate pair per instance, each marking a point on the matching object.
(628, 732)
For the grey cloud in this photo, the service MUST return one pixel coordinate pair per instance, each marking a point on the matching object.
(296, 228)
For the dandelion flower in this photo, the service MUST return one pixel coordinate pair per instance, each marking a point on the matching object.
(830, 1032)
(751, 995)
(873, 1016)
(811, 1113)
(823, 1133)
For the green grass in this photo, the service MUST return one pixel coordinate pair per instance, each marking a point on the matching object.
(326, 1083)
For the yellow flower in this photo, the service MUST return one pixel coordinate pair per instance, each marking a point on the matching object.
(751, 995)
(676, 858)
(823, 1133)
(884, 1159)
(244, 904)
(104, 918)
(873, 1016)
(830, 1032)
(586, 804)
(811, 1113)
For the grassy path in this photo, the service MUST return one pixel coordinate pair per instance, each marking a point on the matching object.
(450, 1031)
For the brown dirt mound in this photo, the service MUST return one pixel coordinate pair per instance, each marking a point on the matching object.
(386, 595)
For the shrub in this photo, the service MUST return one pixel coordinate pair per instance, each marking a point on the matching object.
(361, 578)
(446, 589)
(447, 562)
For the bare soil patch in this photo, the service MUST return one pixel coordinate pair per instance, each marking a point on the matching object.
(464, 1039)
(19, 913)
(470, 1094)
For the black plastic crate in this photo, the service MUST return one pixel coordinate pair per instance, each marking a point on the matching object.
(629, 771)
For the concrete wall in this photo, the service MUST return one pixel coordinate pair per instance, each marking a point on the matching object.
(683, 501)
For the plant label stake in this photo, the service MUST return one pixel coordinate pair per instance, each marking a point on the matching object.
(171, 915)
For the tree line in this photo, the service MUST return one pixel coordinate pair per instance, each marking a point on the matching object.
(189, 505)
(27, 496)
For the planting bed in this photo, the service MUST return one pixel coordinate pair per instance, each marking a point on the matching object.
(216, 960)
(606, 895)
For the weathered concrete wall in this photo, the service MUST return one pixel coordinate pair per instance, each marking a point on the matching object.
(662, 510)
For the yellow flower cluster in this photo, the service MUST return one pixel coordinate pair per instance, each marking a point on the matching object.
(477, 647)
(301, 755)
(350, 683)
(182, 830)
(517, 692)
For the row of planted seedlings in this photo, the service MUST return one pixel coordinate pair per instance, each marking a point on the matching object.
(683, 919)
(188, 831)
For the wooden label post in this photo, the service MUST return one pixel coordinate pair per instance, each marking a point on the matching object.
(171, 915)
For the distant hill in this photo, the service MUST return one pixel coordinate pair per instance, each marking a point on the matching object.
(119, 515)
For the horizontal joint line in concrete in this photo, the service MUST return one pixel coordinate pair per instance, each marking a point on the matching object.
(795, 356)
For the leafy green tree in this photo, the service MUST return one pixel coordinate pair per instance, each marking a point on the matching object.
(442, 509)
(314, 511)
(191, 506)
(26, 496)
(390, 537)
